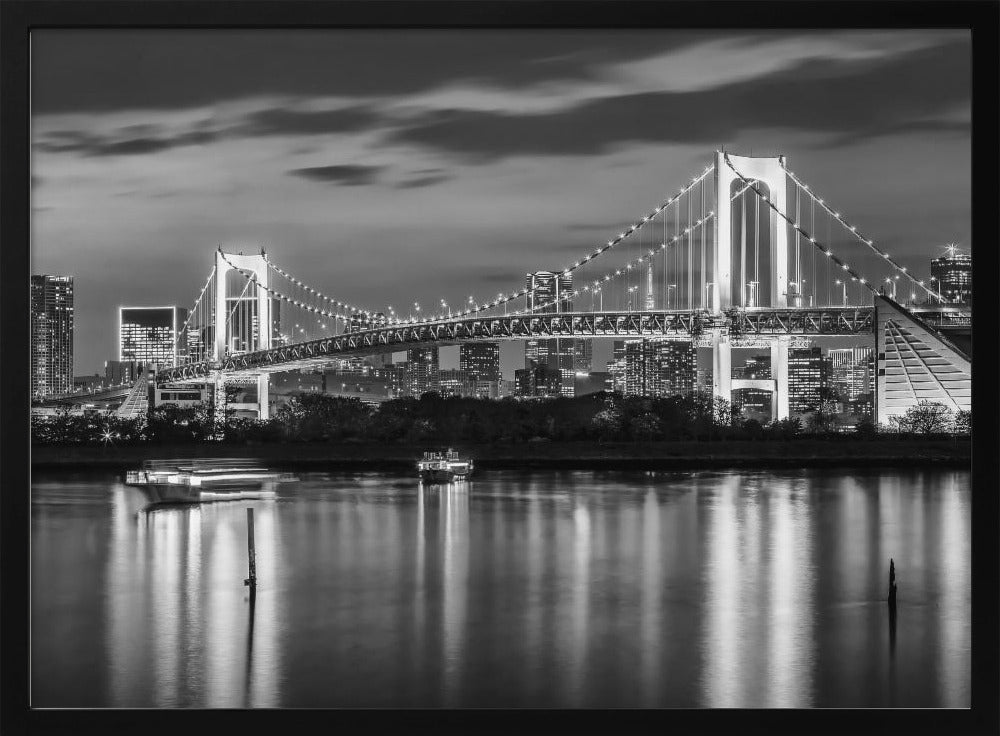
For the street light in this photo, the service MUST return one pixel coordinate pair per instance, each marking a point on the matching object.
(669, 287)
(630, 290)
(844, 285)
(708, 293)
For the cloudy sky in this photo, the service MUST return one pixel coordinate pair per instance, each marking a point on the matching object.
(393, 166)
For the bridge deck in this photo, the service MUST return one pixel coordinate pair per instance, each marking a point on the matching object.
(675, 323)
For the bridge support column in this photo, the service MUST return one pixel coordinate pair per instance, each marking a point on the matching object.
(218, 404)
(779, 372)
(722, 366)
(263, 396)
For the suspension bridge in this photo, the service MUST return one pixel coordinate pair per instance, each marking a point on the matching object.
(744, 250)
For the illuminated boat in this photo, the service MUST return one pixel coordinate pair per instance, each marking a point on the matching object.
(443, 467)
(197, 481)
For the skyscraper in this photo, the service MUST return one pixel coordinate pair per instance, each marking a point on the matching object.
(545, 294)
(422, 370)
(659, 367)
(616, 367)
(480, 360)
(676, 366)
(51, 335)
(851, 372)
(951, 275)
(806, 376)
(148, 335)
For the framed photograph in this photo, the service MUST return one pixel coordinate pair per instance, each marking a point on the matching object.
(503, 367)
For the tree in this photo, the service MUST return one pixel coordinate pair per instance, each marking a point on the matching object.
(927, 417)
(963, 422)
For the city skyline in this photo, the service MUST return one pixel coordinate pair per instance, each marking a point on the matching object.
(404, 181)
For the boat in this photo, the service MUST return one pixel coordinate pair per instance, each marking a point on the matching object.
(443, 467)
(198, 481)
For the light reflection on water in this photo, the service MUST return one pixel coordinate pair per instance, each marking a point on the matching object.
(567, 589)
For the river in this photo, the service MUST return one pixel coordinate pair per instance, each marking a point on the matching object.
(536, 589)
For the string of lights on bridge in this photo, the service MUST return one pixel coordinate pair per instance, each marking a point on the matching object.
(194, 309)
(824, 249)
(854, 231)
(598, 283)
(277, 269)
(596, 287)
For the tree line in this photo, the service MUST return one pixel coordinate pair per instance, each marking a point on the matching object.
(600, 417)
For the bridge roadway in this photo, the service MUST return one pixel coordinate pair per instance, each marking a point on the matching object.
(659, 323)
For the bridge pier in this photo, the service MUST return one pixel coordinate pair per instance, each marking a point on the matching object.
(779, 373)
(722, 366)
(263, 396)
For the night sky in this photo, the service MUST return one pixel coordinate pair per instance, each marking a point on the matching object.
(394, 166)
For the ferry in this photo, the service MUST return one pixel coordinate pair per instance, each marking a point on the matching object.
(198, 481)
(443, 467)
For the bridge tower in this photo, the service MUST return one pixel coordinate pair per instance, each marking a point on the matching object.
(258, 333)
(769, 171)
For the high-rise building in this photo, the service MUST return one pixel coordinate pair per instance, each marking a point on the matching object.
(422, 370)
(453, 382)
(537, 381)
(852, 372)
(659, 367)
(616, 367)
(546, 290)
(583, 355)
(951, 275)
(637, 375)
(676, 362)
(806, 377)
(51, 335)
(480, 360)
(148, 335)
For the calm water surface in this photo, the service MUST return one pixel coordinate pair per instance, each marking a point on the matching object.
(575, 589)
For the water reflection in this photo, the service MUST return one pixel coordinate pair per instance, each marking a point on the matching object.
(164, 612)
(515, 590)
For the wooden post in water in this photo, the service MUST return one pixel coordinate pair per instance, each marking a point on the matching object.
(892, 586)
(251, 554)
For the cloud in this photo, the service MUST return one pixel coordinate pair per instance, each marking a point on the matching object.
(285, 121)
(422, 181)
(847, 99)
(348, 175)
(164, 69)
(91, 144)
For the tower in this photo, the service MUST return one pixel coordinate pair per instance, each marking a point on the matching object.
(251, 327)
(770, 172)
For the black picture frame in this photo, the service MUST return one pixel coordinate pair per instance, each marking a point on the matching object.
(19, 17)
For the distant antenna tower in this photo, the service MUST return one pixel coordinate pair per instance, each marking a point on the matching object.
(649, 287)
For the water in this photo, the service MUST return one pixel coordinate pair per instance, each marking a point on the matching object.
(574, 589)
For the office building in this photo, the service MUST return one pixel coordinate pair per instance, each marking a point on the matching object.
(806, 377)
(546, 291)
(951, 276)
(537, 381)
(616, 368)
(51, 335)
(583, 356)
(422, 370)
(675, 363)
(452, 382)
(480, 360)
(659, 368)
(148, 335)
(852, 372)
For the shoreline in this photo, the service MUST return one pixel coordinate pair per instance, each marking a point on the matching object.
(847, 453)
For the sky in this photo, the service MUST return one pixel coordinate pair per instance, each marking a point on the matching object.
(397, 166)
